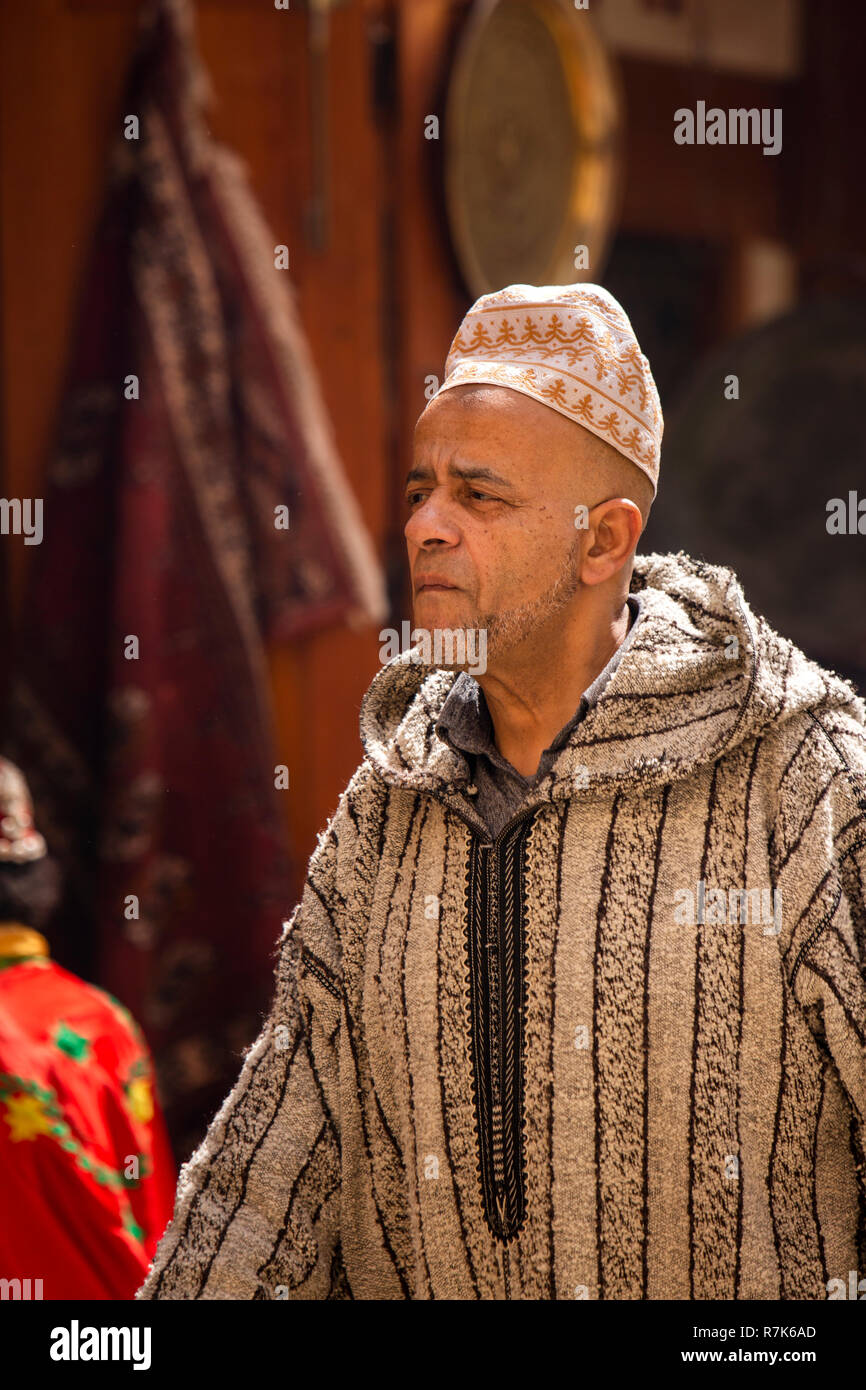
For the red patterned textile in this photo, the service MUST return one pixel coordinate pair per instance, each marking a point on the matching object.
(139, 709)
(87, 1178)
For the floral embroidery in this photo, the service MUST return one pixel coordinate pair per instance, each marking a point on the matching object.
(32, 1110)
(75, 1045)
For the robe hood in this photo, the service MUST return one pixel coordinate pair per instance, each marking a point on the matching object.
(702, 674)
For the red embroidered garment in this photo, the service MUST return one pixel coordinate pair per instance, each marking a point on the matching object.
(87, 1178)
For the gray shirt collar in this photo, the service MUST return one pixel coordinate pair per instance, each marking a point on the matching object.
(466, 721)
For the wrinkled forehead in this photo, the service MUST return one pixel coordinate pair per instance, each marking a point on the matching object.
(528, 440)
(498, 414)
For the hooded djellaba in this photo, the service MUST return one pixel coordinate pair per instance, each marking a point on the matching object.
(595, 1029)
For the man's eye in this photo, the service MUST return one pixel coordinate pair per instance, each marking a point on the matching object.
(472, 492)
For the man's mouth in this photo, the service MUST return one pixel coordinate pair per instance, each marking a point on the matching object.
(433, 586)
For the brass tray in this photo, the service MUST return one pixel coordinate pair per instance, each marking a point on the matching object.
(533, 126)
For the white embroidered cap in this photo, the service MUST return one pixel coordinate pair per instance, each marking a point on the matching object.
(572, 348)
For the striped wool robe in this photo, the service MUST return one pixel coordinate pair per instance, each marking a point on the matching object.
(578, 1062)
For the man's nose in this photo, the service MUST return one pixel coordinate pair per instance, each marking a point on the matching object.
(433, 520)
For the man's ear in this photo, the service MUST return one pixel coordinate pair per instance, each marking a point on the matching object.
(616, 527)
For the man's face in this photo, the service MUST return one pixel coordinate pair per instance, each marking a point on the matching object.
(491, 494)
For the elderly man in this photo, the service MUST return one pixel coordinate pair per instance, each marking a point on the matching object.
(573, 1004)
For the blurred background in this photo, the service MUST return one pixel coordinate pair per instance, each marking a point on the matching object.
(244, 301)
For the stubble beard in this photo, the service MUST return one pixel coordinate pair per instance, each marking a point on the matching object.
(510, 628)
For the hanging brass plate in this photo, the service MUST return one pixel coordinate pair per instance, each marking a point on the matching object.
(532, 145)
